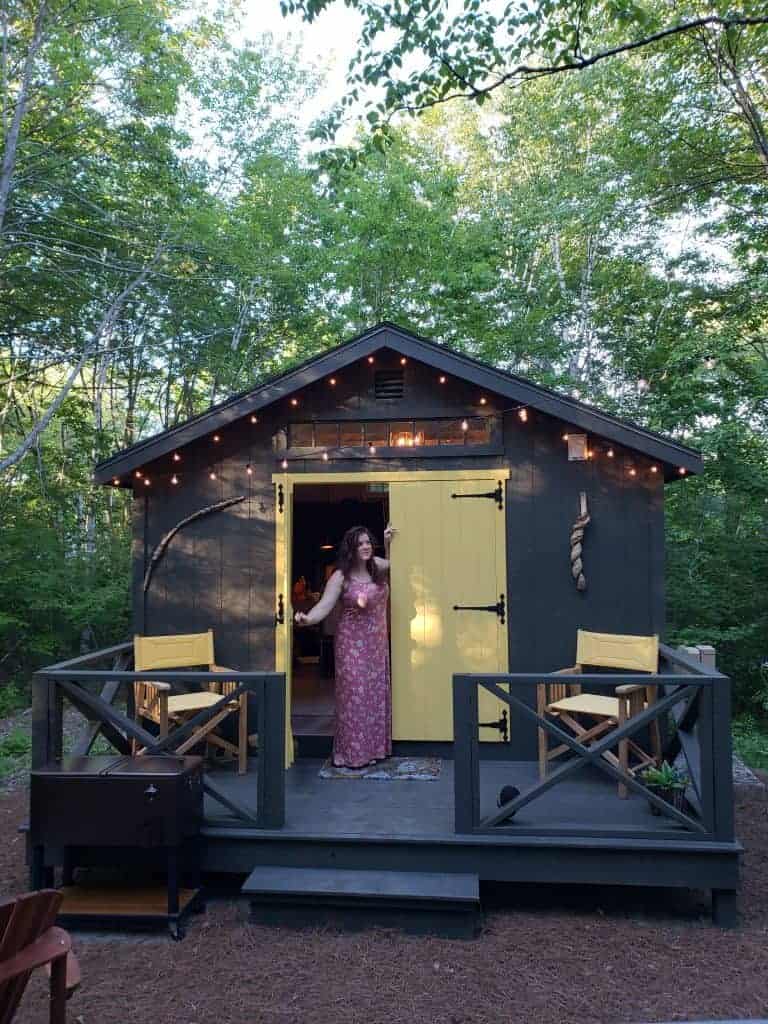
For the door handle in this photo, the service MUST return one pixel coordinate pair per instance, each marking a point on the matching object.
(280, 616)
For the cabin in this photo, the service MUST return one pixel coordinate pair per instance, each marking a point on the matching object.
(523, 516)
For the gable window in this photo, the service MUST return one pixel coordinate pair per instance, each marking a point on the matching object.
(474, 431)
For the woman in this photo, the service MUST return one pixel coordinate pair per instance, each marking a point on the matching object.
(361, 649)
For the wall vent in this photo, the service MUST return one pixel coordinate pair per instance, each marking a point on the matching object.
(388, 383)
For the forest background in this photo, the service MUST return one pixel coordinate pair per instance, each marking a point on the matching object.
(169, 235)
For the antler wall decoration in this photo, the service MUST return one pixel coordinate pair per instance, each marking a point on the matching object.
(157, 554)
(577, 536)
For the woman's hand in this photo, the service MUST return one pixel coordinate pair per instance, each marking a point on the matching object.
(389, 533)
(300, 618)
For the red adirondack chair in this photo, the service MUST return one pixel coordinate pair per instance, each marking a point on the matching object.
(28, 939)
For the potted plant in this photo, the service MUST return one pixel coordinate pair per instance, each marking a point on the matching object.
(667, 782)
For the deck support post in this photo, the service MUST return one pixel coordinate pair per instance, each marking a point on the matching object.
(271, 772)
(725, 908)
(47, 711)
(466, 774)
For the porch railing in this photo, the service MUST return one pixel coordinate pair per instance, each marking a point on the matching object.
(92, 689)
(693, 707)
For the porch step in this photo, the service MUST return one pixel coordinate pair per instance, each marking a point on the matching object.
(418, 902)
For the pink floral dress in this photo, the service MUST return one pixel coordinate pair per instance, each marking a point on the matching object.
(363, 699)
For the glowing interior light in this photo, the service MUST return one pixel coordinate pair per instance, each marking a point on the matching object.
(464, 425)
(372, 449)
(284, 464)
(325, 456)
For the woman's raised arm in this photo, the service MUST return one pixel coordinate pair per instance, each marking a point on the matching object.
(326, 603)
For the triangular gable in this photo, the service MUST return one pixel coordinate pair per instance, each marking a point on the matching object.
(387, 335)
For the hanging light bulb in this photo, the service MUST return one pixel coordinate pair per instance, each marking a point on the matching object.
(654, 469)
(565, 437)
(216, 438)
(146, 481)
(174, 479)
(464, 425)
(483, 400)
(176, 457)
(609, 453)
(403, 361)
(249, 469)
(370, 359)
(682, 471)
(332, 381)
(372, 449)
(212, 475)
(254, 419)
(632, 471)
(138, 474)
(442, 380)
(116, 481)
(284, 464)
(523, 415)
(294, 401)
(325, 456)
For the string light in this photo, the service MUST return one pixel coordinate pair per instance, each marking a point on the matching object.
(216, 438)
(370, 359)
(632, 471)
(565, 437)
(682, 471)
(332, 381)
(523, 415)
(609, 453)
(284, 464)
(249, 469)
(483, 400)
(325, 456)
(294, 401)
(464, 425)
(138, 474)
(254, 419)
(116, 481)
(442, 380)
(654, 469)
(174, 479)
(372, 449)
(176, 457)
(403, 361)
(146, 481)
(212, 475)
(589, 453)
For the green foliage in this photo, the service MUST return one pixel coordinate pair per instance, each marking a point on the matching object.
(664, 777)
(750, 740)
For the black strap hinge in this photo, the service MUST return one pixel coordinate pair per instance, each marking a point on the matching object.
(497, 495)
(500, 608)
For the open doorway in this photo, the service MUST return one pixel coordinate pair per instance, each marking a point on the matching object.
(322, 513)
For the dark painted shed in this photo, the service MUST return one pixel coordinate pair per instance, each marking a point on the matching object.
(390, 425)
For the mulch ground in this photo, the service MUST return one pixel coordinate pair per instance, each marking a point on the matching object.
(546, 956)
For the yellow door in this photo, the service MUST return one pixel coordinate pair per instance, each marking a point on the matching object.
(283, 608)
(448, 551)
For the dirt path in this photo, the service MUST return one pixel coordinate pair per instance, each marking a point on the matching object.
(549, 956)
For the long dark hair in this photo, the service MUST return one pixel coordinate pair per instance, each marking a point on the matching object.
(347, 555)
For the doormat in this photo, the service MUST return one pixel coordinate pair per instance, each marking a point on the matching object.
(423, 769)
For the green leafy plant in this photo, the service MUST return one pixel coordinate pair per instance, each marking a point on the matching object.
(15, 744)
(666, 776)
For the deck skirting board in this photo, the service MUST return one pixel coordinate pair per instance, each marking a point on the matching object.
(698, 865)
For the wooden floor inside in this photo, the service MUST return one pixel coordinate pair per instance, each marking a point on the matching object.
(424, 809)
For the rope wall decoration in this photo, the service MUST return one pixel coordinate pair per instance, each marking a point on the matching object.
(159, 551)
(577, 536)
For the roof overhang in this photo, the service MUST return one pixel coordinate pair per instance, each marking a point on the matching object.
(676, 457)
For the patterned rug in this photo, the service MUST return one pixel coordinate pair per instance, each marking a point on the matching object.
(425, 769)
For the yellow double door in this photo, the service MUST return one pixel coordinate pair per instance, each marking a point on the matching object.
(448, 565)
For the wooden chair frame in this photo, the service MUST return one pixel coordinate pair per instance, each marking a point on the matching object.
(28, 940)
(155, 701)
(566, 702)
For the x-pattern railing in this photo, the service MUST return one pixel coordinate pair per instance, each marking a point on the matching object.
(73, 678)
(699, 703)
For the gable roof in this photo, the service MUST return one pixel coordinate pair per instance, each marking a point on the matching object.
(389, 335)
